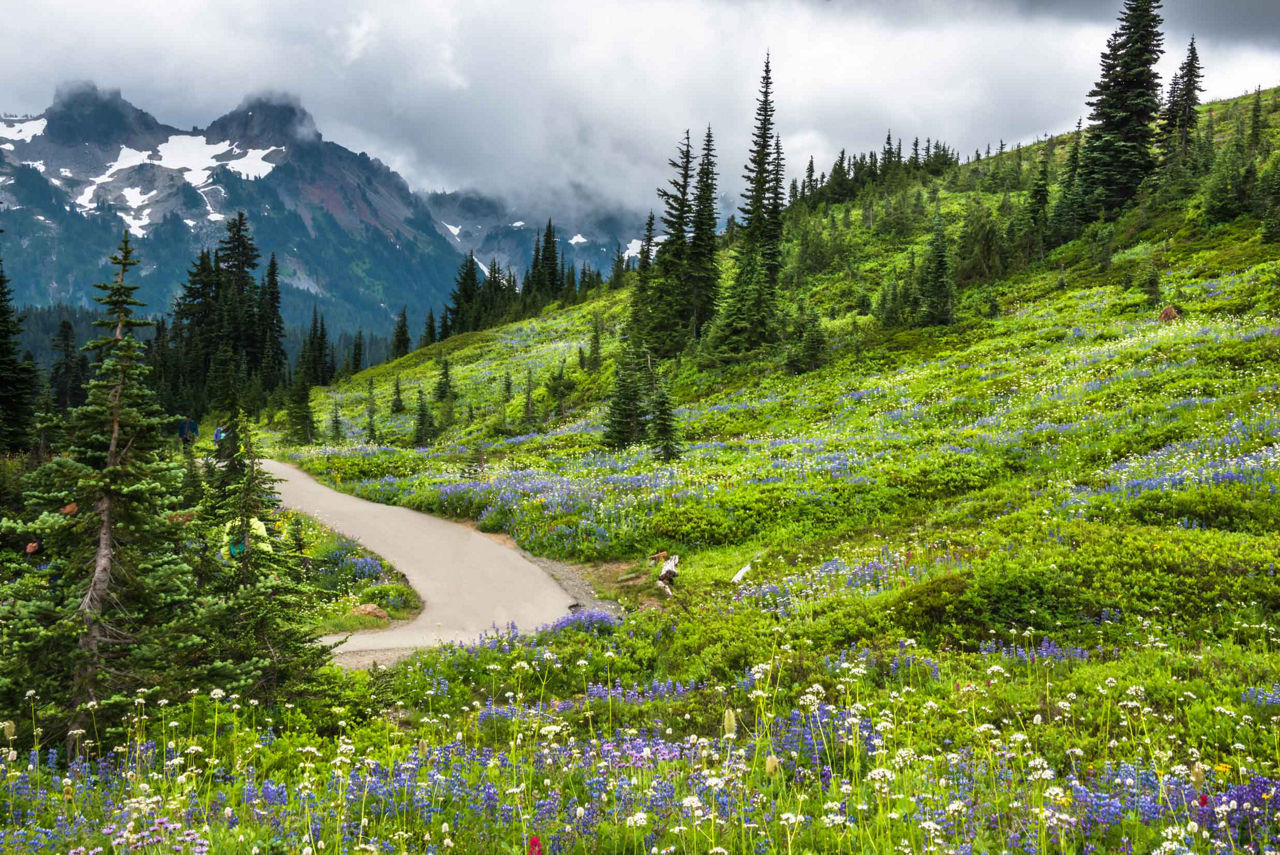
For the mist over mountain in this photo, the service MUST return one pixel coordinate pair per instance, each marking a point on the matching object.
(351, 236)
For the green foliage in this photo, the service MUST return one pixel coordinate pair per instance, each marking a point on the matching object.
(17, 378)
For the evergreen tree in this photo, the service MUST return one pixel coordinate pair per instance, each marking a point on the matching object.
(594, 355)
(251, 627)
(771, 247)
(70, 370)
(702, 273)
(624, 416)
(980, 257)
(100, 623)
(357, 353)
(1125, 102)
(640, 319)
(397, 401)
(274, 364)
(1038, 207)
(530, 414)
(298, 416)
(444, 383)
(428, 330)
(619, 267)
(559, 387)
(424, 428)
(1228, 190)
(1179, 118)
(745, 320)
(662, 434)
(17, 378)
(400, 337)
(669, 304)
(813, 342)
(335, 424)
(1269, 193)
(936, 286)
(462, 309)
(237, 259)
(1257, 123)
(1069, 211)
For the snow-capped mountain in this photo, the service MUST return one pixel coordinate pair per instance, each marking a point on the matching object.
(349, 233)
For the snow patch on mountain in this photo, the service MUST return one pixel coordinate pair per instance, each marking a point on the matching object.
(37, 165)
(254, 164)
(134, 197)
(577, 239)
(22, 131)
(633, 249)
(480, 264)
(191, 155)
(517, 224)
(453, 230)
(137, 225)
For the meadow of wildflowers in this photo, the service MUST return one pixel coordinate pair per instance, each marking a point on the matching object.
(1012, 587)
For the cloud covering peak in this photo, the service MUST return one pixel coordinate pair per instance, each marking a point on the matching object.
(589, 97)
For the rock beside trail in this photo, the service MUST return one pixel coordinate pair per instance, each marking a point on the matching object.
(369, 610)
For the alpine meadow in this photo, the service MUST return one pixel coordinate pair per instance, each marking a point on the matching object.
(921, 500)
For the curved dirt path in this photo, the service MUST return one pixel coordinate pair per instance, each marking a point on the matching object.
(469, 582)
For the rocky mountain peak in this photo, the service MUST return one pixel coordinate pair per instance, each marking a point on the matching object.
(81, 112)
(267, 120)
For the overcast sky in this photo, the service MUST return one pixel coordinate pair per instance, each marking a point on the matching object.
(526, 97)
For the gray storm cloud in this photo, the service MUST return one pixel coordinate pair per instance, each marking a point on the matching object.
(585, 99)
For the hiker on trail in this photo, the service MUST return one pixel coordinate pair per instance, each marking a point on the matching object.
(188, 431)
(222, 439)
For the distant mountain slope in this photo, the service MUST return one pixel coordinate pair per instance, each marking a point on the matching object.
(588, 232)
(350, 235)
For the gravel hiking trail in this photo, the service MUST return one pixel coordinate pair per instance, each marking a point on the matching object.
(469, 582)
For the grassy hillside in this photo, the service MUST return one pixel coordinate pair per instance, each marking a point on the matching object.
(1012, 583)
(1053, 397)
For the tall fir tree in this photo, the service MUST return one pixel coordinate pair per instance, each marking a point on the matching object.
(1069, 210)
(662, 434)
(669, 304)
(444, 383)
(937, 287)
(595, 356)
(274, 363)
(746, 319)
(70, 370)
(1118, 153)
(110, 626)
(17, 378)
(1179, 118)
(702, 273)
(298, 415)
(428, 330)
(463, 309)
(397, 399)
(1038, 207)
(639, 331)
(424, 428)
(624, 409)
(400, 343)
(335, 424)
(357, 352)
(256, 636)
